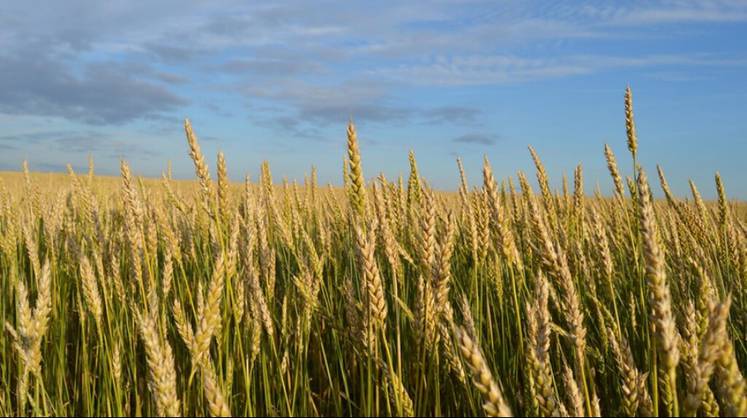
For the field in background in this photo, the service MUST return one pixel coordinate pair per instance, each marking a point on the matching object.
(122, 296)
(14, 183)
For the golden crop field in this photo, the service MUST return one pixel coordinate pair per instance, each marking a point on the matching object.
(127, 296)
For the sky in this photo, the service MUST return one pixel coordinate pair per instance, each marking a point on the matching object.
(279, 80)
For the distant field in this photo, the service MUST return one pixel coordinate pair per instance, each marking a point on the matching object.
(160, 297)
(15, 182)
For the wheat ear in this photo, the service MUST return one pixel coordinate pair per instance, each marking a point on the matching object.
(495, 405)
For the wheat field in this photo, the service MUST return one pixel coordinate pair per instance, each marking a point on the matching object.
(128, 296)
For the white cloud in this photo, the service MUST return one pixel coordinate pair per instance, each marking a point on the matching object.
(506, 69)
(331, 57)
(667, 12)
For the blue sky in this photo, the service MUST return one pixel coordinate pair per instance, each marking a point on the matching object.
(278, 80)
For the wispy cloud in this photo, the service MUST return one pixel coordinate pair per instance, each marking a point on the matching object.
(476, 138)
(670, 12)
(272, 67)
(504, 69)
(451, 115)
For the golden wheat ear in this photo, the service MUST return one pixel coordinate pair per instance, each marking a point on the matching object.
(495, 405)
(630, 123)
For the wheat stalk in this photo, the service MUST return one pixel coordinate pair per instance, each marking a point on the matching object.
(660, 298)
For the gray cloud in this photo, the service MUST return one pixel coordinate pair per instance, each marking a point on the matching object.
(295, 126)
(31, 137)
(336, 114)
(307, 121)
(79, 142)
(476, 138)
(171, 53)
(272, 67)
(451, 114)
(171, 78)
(302, 107)
(101, 93)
